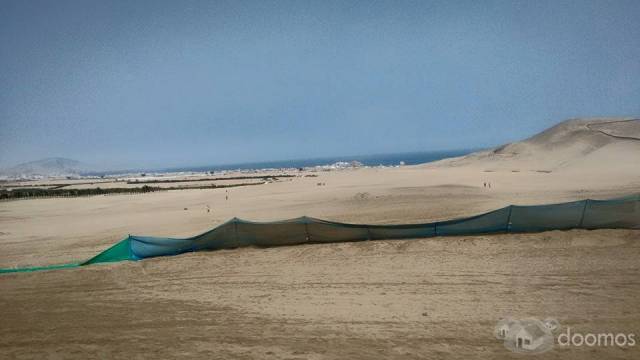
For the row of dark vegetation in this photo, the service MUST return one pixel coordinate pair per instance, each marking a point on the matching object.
(248, 177)
(27, 193)
(22, 193)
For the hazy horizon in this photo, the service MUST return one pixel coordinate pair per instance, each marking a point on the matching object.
(370, 160)
(165, 84)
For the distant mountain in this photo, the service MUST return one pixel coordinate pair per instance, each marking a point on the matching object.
(50, 167)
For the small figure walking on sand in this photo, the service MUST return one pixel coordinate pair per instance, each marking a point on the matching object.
(485, 184)
(226, 197)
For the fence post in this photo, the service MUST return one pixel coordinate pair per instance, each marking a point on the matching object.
(508, 227)
(584, 208)
(235, 229)
(306, 229)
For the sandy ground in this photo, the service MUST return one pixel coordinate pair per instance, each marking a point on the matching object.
(429, 298)
(408, 299)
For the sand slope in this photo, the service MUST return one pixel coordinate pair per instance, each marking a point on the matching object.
(404, 299)
(574, 145)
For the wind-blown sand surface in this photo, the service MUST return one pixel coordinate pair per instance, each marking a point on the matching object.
(427, 298)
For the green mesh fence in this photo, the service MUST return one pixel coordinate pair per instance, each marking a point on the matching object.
(621, 213)
(118, 252)
(40, 268)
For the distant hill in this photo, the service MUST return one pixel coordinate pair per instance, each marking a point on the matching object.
(576, 144)
(50, 167)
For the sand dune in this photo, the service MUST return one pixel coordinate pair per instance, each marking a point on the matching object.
(597, 145)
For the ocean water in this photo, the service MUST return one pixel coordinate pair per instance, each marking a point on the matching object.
(411, 158)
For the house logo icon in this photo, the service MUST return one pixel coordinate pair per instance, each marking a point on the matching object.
(527, 336)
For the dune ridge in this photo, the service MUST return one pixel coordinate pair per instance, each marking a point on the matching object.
(605, 144)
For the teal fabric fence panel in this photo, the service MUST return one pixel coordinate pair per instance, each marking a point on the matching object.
(492, 222)
(546, 217)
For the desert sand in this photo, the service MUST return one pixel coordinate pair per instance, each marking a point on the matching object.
(423, 298)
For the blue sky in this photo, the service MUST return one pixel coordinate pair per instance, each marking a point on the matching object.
(178, 83)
